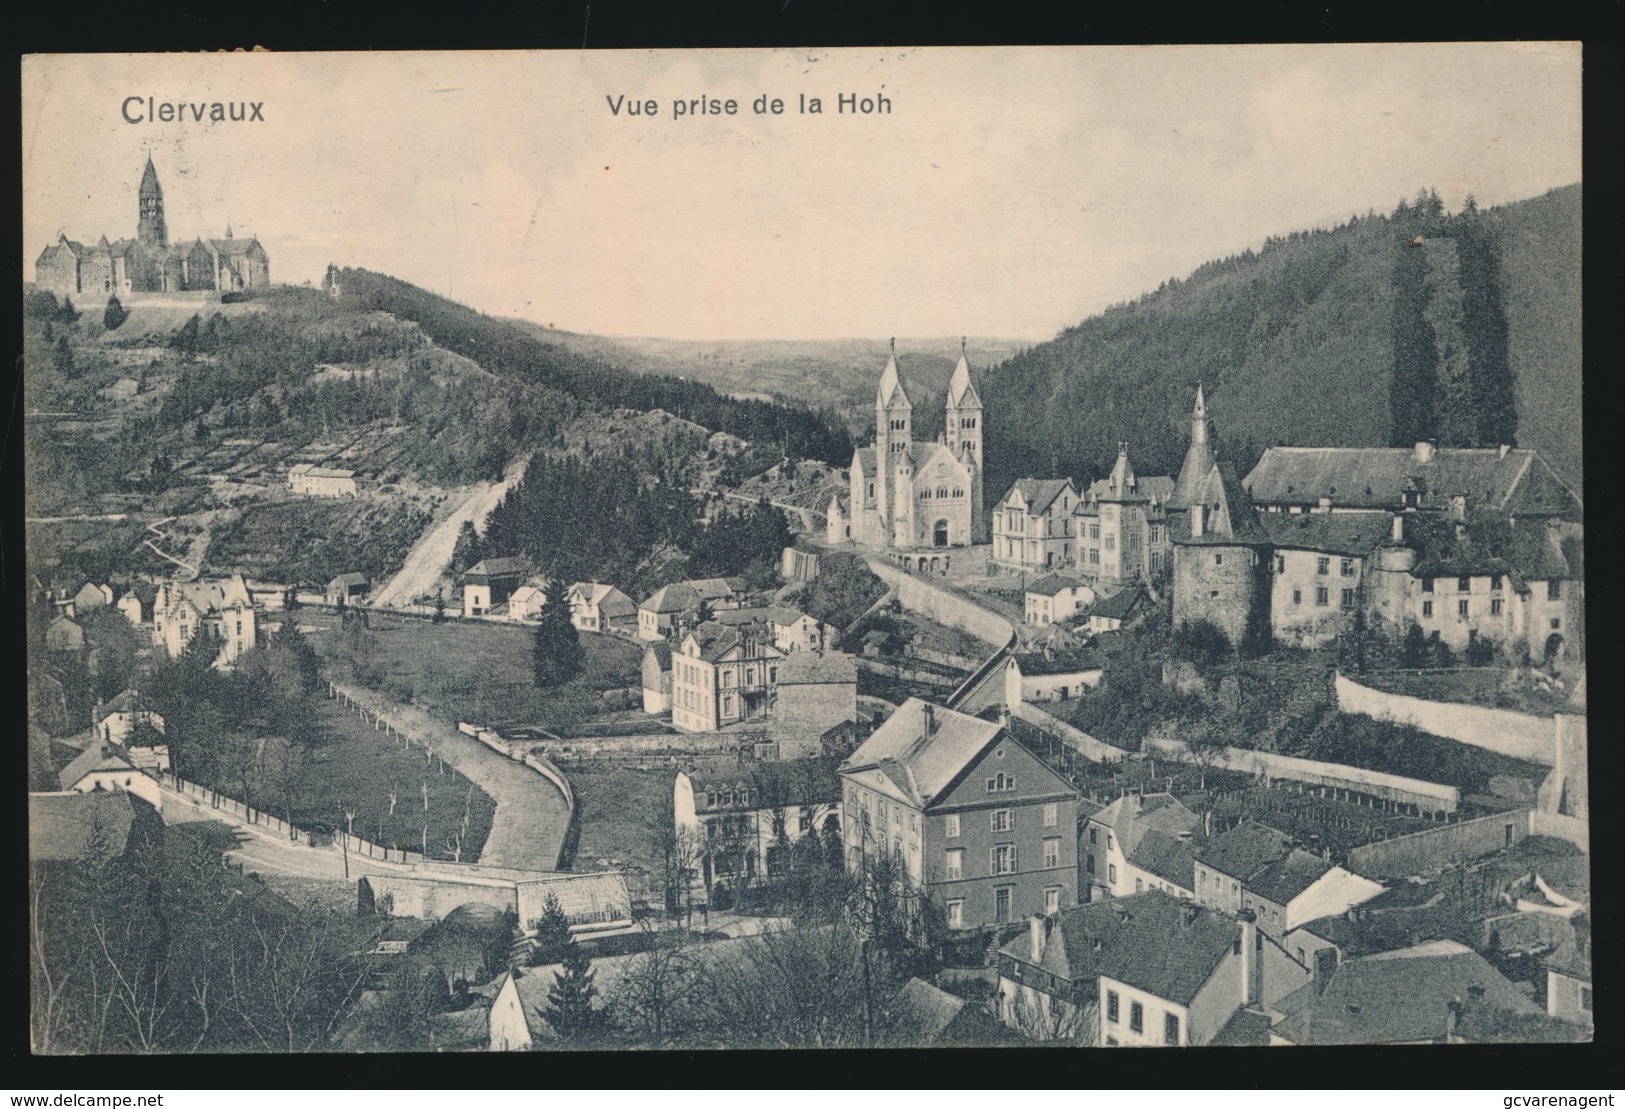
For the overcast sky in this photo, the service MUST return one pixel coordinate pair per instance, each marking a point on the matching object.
(1009, 192)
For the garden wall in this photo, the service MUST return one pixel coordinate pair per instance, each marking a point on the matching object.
(1082, 742)
(1515, 734)
(1433, 850)
(1427, 797)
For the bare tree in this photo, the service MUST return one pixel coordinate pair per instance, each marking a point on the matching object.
(655, 991)
(1049, 1020)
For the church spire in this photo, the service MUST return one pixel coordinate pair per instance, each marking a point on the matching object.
(1198, 457)
(150, 228)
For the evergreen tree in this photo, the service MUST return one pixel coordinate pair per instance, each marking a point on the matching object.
(1413, 651)
(64, 358)
(467, 551)
(570, 1002)
(1414, 387)
(439, 606)
(557, 656)
(114, 315)
(552, 941)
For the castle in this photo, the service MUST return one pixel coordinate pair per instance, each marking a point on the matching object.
(906, 494)
(149, 263)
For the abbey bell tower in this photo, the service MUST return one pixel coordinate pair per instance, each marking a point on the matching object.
(150, 229)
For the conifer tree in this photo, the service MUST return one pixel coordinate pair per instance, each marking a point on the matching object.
(114, 315)
(552, 941)
(570, 1007)
(557, 656)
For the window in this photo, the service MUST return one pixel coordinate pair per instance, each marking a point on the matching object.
(1003, 820)
(1089, 863)
(1322, 596)
(1495, 582)
(1108, 841)
(1297, 596)
(1461, 608)
(1094, 531)
(1347, 600)
(1427, 585)
(1094, 556)
(896, 817)
(1280, 564)
(1495, 606)
(956, 914)
(1111, 873)
(1051, 815)
(1556, 623)
(1427, 608)
(1218, 560)
(1002, 859)
(953, 864)
(1170, 1030)
(1052, 852)
(913, 826)
(1111, 1006)
(1001, 782)
(1001, 904)
(1136, 1016)
(1092, 834)
(1111, 542)
(1139, 886)
(1554, 591)
(1464, 584)
(1347, 568)
(1052, 899)
(1323, 565)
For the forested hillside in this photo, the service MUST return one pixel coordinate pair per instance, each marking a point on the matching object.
(1355, 336)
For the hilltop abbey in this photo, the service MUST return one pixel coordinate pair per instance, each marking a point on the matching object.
(906, 494)
(149, 263)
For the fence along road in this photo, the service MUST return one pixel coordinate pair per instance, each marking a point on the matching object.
(532, 816)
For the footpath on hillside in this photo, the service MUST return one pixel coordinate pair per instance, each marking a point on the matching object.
(531, 818)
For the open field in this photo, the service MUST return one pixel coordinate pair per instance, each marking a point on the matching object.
(355, 768)
(474, 669)
(618, 810)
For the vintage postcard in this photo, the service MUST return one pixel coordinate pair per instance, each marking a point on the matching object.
(805, 548)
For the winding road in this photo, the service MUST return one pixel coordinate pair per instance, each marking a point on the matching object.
(430, 556)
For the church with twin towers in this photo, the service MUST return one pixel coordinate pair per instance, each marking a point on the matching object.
(906, 494)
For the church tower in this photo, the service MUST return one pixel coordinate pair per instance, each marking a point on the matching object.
(894, 434)
(150, 229)
(963, 427)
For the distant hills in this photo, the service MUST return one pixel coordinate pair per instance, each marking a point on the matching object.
(833, 374)
(1350, 336)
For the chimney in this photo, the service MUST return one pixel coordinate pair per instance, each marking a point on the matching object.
(1249, 954)
(1398, 532)
(1004, 716)
(1502, 449)
(1423, 451)
(1035, 933)
(929, 714)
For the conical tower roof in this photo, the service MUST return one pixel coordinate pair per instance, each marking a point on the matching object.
(961, 393)
(1198, 457)
(149, 180)
(891, 393)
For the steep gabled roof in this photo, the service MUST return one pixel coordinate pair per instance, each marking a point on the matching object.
(1038, 493)
(1356, 534)
(1166, 946)
(1517, 480)
(891, 392)
(677, 597)
(1401, 997)
(1120, 605)
(923, 766)
(510, 566)
(96, 758)
(1286, 877)
(1051, 584)
(1244, 850)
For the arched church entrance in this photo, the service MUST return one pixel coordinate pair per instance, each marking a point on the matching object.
(939, 534)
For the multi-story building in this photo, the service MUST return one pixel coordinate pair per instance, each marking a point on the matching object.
(974, 817)
(321, 481)
(219, 610)
(742, 821)
(722, 676)
(1141, 971)
(1054, 598)
(1138, 843)
(1032, 524)
(1121, 524)
(490, 582)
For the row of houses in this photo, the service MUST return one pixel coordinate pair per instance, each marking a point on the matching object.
(173, 614)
